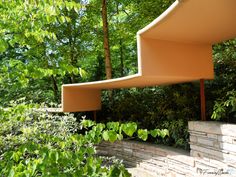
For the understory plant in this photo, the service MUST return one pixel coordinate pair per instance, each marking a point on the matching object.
(167, 107)
(225, 108)
(35, 143)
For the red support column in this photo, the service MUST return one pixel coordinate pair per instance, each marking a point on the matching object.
(203, 100)
(95, 115)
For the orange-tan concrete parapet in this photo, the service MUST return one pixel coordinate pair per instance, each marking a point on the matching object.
(76, 100)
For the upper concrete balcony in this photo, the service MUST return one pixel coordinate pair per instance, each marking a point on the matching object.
(175, 48)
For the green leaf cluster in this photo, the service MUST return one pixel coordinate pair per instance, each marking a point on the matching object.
(34, 143)
(225, 107)
(113, 131)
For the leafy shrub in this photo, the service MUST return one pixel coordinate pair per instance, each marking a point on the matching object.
(36, 144)
(225, 108)
(39, 144)
(169, 107)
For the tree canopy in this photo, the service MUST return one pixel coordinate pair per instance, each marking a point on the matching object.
(45, 44)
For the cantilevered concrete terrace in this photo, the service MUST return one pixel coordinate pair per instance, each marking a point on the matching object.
(175, 48)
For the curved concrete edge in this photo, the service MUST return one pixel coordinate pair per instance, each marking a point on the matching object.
(87, 96)
(162, 17)
(194, 21)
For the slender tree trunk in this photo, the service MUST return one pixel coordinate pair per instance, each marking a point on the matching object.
(72, 60)
(121, 59)
(106, 41)
(120, 43)
(55, 88)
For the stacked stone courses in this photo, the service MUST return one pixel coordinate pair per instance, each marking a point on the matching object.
(213, 152)
(213, 140)
(157, 160)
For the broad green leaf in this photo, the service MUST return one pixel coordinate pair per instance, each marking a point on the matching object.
(82, 72)
(119, 137)
(113, 126)
(50, 10)
(34, 166)
(129, 128)
(87, 123)
(143, 134)
(155, 133)
(164, 133)
(3, 46)
(114, 172)
(4, 68)
(99, 127)
(62, 19)
(112, 136)
(105, 135)
(75, 71)
(16, 156)
(11, 173)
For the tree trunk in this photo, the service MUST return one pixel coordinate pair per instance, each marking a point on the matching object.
(121, 59)
(120, 43)
(55, 88)
(106, 41)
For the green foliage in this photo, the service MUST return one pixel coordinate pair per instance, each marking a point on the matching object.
(156, 108)
(223, 87)
(39, 48)
(157, 132)
(225, 107)
(44, 44)
(143, 134)
(171, 107)
(110, 135)
(113, 131)
(34, 143)
(129, 128)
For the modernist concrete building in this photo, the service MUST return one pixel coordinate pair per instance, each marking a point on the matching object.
(175, 48)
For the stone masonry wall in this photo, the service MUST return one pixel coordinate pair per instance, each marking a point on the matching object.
(213, 140)
(212, 153)
(156, 160)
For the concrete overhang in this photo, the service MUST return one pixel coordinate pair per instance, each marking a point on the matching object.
(175, 48)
